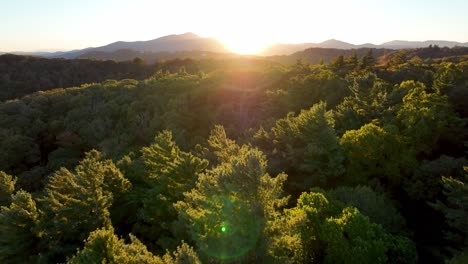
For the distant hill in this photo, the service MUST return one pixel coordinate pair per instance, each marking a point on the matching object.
(288, 49)
(170, 43)
(152, 57)
(191, 42)
(315, 55)
(402, 44)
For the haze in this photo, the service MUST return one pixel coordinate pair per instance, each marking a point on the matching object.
(244, 26)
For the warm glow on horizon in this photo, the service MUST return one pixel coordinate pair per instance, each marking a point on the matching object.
(244, 45)
(244, 26)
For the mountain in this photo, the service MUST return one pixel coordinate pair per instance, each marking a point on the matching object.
(152, 57)
(170, 43)
(288, 49)
(403, 44)
(315, 55)
(193, 42)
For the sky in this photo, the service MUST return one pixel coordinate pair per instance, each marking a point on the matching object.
(50, 25)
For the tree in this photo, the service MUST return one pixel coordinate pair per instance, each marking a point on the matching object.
(424, 118)
(367, 61)
(329, 232)
(352, 61)
(376, 206)
(375, 152)
(7, 186)
(369, 101)
(168, 173)
(308, 143)
(184, 254)
(18, 222)
(455, 209)
(103, 246)
(228, 210)
(78, 202)
(448, 78)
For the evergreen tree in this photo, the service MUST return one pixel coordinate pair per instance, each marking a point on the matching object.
(375, 152)
(168, 173)
(103, 246)
(324, 231)
(78, 202)
(18, 222)
(309, 144)
(229, 209)
(424, 118)
(7, 186)
(455, 209)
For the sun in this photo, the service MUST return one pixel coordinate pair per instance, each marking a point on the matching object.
(244, 45)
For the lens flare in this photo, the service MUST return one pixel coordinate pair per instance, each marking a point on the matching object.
(230, 229)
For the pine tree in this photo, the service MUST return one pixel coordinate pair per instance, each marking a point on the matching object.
(308, 143)
(455, 209)
(7, 186)
(18, 240)
(228, 210)
(168, 173)
(78, 202)
(103, 246)
(322, 230)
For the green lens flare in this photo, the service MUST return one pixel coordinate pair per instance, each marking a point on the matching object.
(236, 231)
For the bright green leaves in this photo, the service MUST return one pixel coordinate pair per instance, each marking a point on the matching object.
(425, 117)
(7, 186)
(332, 233)
(373, 151)
(103, 246)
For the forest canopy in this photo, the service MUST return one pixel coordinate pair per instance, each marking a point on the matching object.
(361, 159)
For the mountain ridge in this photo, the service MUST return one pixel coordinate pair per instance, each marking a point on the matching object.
(288, 49)
(190, 41)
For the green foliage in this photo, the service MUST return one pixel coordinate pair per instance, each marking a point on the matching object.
(455, 209)
(169, 172)
(183, 255)
(18, 239)
(374, 152)
(392, 126)
(309, 144)
(424, 183)
(103, 246)
(222, 147)
(376, 206)
(426, 117)
(78, 202)
(229, 208)
(7, 186)
(448, 78)
(367, 102)
(331, 233)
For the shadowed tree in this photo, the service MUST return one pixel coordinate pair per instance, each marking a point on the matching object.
(18, 221)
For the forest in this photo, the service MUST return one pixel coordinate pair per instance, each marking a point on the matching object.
(361, 158)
